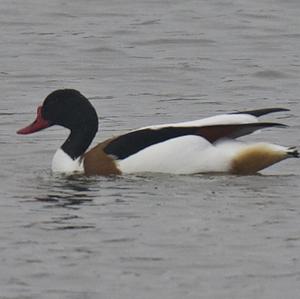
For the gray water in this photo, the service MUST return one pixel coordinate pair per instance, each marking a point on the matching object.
(148, 236)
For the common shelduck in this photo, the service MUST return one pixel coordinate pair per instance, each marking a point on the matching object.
(200, 146)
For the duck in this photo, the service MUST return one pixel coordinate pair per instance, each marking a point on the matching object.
(208, 145)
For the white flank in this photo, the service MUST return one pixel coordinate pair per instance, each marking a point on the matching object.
(182, 155)
(63, 163)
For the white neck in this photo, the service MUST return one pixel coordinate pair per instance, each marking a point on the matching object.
(63, 163)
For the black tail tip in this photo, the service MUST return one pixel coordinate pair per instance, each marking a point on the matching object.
(293, 152)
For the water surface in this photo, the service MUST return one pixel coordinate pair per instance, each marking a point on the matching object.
(148, 236)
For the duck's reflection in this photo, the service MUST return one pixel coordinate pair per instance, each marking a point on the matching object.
(66, 191)
(65, 197)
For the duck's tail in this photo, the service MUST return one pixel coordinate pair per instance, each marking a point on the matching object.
(293, 152)
(255, 157)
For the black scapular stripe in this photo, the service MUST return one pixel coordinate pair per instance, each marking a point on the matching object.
(133, 142)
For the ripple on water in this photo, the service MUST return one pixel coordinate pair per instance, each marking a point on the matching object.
(271, 74)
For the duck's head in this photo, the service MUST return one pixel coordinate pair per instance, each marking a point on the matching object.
(64, 107)
(70, 109)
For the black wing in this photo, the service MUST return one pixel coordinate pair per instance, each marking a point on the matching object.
(260, 112)
(133, 142)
